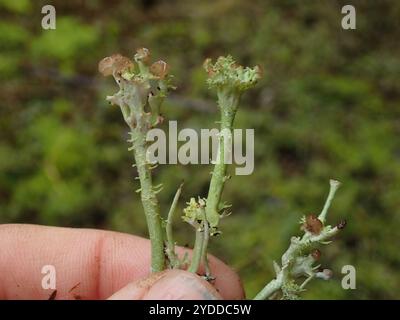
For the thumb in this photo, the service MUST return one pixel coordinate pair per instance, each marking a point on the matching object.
(168, 285)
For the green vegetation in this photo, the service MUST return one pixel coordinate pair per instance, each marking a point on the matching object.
(327, 107)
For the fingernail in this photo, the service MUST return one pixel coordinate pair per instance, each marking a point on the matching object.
(181, 285)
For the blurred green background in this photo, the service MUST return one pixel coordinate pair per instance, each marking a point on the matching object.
(327, 107)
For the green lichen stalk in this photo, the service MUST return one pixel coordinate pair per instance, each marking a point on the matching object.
(173, 259)
(230, 81)
(299, 259)
(142, 85)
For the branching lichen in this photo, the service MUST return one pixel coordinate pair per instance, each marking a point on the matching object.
(143, 86)
(230, 81)
(299, 260)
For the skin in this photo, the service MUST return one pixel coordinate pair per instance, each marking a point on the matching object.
(97, 264)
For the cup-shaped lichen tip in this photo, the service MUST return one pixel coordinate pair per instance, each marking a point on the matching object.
(225, 72)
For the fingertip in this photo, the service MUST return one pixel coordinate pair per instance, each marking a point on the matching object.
(182, 285)
(137, 290)
(227, 282)
(102, 262)
(168, 285)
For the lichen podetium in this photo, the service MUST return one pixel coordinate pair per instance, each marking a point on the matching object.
(230, 80)
(143, 86)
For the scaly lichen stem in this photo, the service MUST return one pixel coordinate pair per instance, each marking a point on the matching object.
(230, 80)
(170, 250)
(151, 209)
(228, 103)
(204, 258)
(197, 251)
(294, 252)
(296, 262)
(272, 287)
(134, 95)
